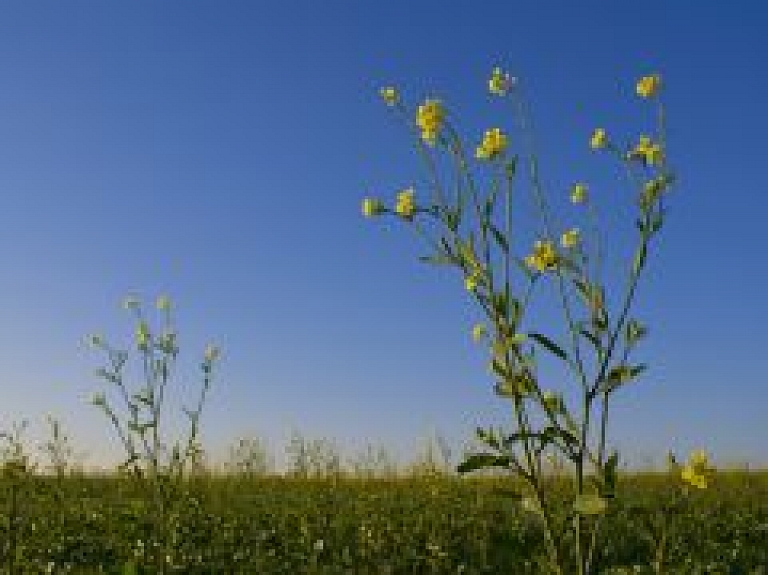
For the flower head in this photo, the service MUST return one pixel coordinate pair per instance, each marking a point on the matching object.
(579, 193)
(646, 151)
(212, 353)
(429, 118)
(647, 86)
(697, 471)
(131, 302)
(163, 302)
(372, 207)
(390, 95)
(599, 139)
(570, 238)
(142, 334)
(470, 282)
(479, 331)
(494, 143)
(500, 82)
(405, 205)
(544, 256)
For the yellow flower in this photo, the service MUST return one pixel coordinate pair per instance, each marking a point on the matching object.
(470, 282)
(429, 118)
(647, 86)
(499, 83)
(390, 95)
(578, 193)
(697, 470)
(372, 207)
(142, 334)
(544, 256)
(405, 205)
(570, 238)
(598, 140)
(647, 151)
(163, 302)
(494, 143)
(479, 331)
(211, 353)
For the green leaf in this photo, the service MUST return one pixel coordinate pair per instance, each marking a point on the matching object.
(488, 437)
(590, 504)
(500, 239)
(551, 346)
(620, 375)
(437, 259)
(483, 461)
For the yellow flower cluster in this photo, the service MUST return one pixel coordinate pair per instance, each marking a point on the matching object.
(470, 282)
(479, 331)
(697, 470)
(647, 86)
(499, 83)
(599, 139)
(389, 95)
(544, 256)
(142, 334)
(372, 207)
(579, 193)
(494, 143)
(429, 119)
(646, 151)
(405, 205)
(570, 238)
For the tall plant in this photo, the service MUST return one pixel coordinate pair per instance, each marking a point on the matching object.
(467, 221)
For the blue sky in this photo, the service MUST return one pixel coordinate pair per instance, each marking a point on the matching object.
(218, 152)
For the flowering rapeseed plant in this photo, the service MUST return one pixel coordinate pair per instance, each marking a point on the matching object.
(697, 471)
(475, 238)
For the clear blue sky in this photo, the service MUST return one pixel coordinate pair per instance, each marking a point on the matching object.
(217, 152)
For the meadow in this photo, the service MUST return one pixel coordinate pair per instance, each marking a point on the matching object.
(428, 521)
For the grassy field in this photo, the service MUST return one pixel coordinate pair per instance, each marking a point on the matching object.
(429, 524)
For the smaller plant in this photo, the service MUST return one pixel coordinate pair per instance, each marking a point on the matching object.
(16, 469)
(139, 426)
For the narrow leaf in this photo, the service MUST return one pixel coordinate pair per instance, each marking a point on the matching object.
(551, 346)
(483, 461)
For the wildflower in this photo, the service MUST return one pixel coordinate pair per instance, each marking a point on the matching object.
(97, 398)
(647, 151)
(578, 193)
(499, 83)
(494, 143)
(647, 86)
(544, 256)
(552, 401)
(570, 238)
(390, 95)
(598, 140)
(405, 206)
(697, 470)
(131, 302)
(163, 303)
(479, 331)
(429, 118)
(212, 353)
(142, 334)
(470, 282)
(372, 207)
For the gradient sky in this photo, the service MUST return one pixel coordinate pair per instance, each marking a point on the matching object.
(217, 152)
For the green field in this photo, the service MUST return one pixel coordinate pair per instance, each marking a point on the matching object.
(430, 524)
